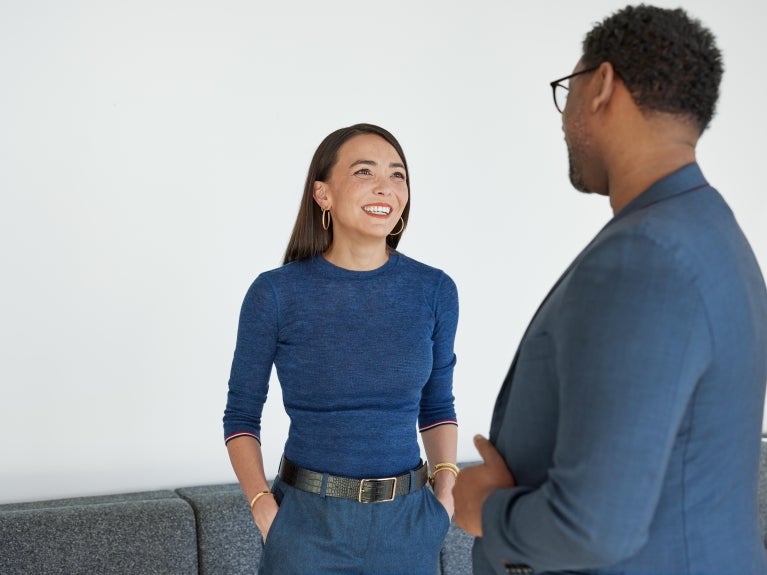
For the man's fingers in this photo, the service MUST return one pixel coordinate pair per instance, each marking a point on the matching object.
(487, 451)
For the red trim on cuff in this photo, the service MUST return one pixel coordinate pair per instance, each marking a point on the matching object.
(438, 423)
(240, 434)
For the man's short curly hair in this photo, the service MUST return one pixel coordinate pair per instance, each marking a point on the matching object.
(667, 60)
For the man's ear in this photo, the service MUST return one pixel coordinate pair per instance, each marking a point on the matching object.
(606, 78)
(320, 195)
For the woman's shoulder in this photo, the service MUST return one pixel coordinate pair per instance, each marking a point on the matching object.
(285, 274)
(432, 278)
(420, 267)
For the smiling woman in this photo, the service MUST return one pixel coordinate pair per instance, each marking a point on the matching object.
(365, 195)
(314, 232)
(356, 383)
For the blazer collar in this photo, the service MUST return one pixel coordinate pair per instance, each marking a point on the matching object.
(685, 179)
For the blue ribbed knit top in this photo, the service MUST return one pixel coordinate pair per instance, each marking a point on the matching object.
(364, 359)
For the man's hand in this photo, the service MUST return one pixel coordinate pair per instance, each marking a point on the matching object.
(475, 483)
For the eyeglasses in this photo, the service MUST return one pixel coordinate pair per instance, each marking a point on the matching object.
(560, 91)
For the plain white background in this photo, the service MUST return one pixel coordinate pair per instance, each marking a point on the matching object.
(152, 156)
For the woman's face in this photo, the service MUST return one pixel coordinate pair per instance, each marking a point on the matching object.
(367, 190)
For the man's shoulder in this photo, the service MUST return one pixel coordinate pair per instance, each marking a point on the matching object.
(696, 224)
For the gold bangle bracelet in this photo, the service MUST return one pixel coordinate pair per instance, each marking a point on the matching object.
(258, 496)
(451, 467)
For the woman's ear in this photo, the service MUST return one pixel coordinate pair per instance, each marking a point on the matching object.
(606, 77)
(320, 195)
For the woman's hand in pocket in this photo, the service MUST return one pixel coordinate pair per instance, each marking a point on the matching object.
(264, 512)
(443, 490)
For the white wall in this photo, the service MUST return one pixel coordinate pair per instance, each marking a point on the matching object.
(152, 154)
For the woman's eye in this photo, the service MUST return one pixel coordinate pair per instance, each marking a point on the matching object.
(399, 175)
(364, 172)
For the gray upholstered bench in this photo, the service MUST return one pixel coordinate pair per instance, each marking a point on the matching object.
(138, 533)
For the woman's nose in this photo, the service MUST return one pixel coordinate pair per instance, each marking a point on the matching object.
(382, 189)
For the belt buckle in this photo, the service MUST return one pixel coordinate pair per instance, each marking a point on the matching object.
(393, 489)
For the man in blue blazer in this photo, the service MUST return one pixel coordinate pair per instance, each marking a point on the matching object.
(625, 438)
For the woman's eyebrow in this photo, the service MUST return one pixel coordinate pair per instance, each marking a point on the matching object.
(365, 162)
(372, 163)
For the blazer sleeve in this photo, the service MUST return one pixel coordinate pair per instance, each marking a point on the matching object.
(631, 340)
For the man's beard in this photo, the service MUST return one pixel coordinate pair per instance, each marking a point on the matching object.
(576, 174)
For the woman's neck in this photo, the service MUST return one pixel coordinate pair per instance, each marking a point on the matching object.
(357, 257)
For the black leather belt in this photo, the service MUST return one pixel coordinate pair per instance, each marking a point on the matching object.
(363, 490)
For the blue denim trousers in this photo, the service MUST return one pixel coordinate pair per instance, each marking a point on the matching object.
(314, 534)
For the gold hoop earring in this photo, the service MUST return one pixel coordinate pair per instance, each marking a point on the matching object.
(325, 224)
(401, 229)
